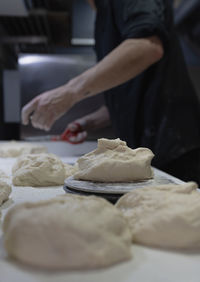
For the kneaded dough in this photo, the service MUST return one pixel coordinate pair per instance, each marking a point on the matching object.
(5, 187)
(113, 161)
(70, 169)
(15, 149)
(3, 175)
(38, 170)
(164, 216)
(5, 190)
(67, 232)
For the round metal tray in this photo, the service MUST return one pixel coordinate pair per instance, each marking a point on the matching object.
(103, 187)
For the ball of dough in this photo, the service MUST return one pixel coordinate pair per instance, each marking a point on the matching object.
(38, 170)
(113, 161)
(15, 149)
(164, 216)
(5, 187)
(3, 175)
(70, 170)
(5, 190)
(67, 232)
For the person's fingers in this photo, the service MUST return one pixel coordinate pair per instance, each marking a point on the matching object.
(48, 123)
(77, 125)
(81, 123)
(80, 137)
(37, 120)
(72, 127)
(42, 121)
(27, 110)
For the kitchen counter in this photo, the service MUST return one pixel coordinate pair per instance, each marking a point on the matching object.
(147, 265)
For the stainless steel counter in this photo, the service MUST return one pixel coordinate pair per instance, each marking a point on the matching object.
(147, 265)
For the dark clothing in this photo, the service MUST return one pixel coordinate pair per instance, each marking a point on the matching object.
(187, 21)
(188, 27)
(158, 109)
(186, 167)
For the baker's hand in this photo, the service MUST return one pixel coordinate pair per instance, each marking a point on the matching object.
(46, 108)
(95, 120)
(78, 127)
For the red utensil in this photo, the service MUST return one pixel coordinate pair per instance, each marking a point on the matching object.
(65, 136)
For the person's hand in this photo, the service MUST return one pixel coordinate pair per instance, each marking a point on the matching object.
(96, 120)
(77, 127)
(46, 108)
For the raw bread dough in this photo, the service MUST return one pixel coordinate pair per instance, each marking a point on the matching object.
(67, 232)
(164, 216)
(70, 170)
(5, 187)
(15, 149)
(113, 161)
(5, 190)
(3, 175)
(38, 170)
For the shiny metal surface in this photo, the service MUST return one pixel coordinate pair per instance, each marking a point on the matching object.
(160, 178)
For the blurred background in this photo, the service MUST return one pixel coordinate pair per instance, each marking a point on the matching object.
(44, 43)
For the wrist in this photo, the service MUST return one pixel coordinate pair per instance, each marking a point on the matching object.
(80, 87)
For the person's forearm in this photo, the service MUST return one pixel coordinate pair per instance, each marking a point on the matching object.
(125, 62)
(98, 119)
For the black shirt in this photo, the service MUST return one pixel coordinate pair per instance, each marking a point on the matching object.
(158, 109)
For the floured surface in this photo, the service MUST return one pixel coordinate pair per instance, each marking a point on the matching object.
(147, 264)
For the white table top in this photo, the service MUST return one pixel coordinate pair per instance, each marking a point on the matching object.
(147, 265)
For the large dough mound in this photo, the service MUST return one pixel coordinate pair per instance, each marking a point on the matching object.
(67, 232)
(113, 161)
(15, 149)
(38, 170)
(164, 216)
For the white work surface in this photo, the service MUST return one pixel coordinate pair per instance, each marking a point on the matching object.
(147, 265)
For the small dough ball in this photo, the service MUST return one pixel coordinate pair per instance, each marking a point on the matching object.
(70, 170)
(5, 187)
(3, 175)
(5, 190)
(164, 216)
(114, 161)
(15, 149)
(38, 170)
(67, 232)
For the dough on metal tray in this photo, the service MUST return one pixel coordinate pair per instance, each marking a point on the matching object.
(67, 232)
(114, 161)
(15, 149)
(38, 170)
(164, 216)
